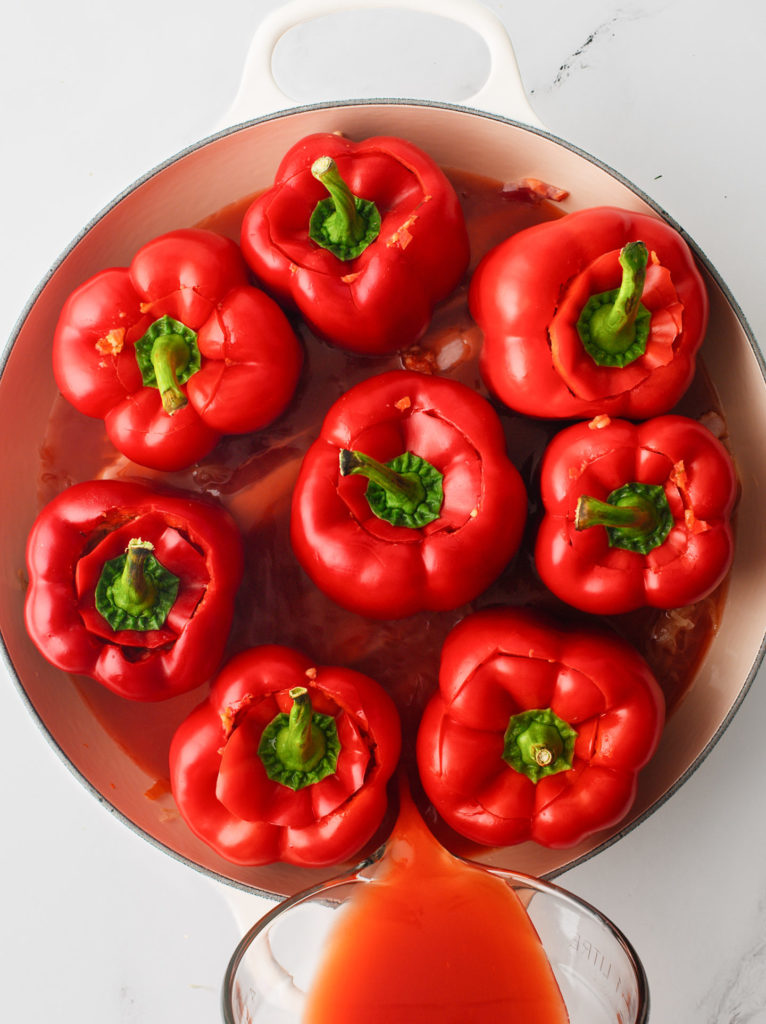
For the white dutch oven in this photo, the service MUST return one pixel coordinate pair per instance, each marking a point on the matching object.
(506, 144)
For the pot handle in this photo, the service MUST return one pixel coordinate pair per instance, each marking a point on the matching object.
(502, 93)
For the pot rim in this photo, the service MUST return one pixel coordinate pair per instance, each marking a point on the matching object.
(702, 258)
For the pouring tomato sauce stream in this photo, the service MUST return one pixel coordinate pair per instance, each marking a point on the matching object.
(433, 940)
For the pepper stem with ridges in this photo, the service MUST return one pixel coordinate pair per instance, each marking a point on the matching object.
(343, 223)
(300, 748)
(134, 591)
(538, 743)
(301, 745)
(170, 357)
(614, 325)
(637, 516)
(167, 356)
(406, 491)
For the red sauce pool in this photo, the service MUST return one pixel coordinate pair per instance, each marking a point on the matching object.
(432, 940)
(253, 476)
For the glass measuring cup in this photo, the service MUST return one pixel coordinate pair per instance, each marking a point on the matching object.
(272, 970)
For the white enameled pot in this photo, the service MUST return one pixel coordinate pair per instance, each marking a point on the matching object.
(495, 134)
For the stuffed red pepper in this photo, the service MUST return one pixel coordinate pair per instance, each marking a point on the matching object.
(536, 731)
(364, 238)
(176, 350)
(601, 311)
(635, 515)
(132, 586)
(286, 760)
(407, 501)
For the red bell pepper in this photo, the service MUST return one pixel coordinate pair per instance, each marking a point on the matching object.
(175, 350)
(366, 264)
(602, 311)
(407, 500)
(132, 587)
(635, 515)
(285, 760)
(536, 731)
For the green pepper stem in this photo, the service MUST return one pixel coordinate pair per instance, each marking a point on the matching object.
(300, 745)
(538, 743)
(302, 748)
(342, 223)
(170, 357)
(640, 515)
(613, 324)
(637, 516)
(404, 491)
(133, 591)
(346, 224)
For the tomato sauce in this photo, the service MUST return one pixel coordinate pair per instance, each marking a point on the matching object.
(433, 940)
(253, 476)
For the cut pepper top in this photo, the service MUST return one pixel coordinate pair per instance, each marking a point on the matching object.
(533, 296)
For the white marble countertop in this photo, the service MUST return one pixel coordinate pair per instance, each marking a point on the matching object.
(98, 925)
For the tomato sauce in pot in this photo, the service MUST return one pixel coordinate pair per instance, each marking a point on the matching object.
(253, 476)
